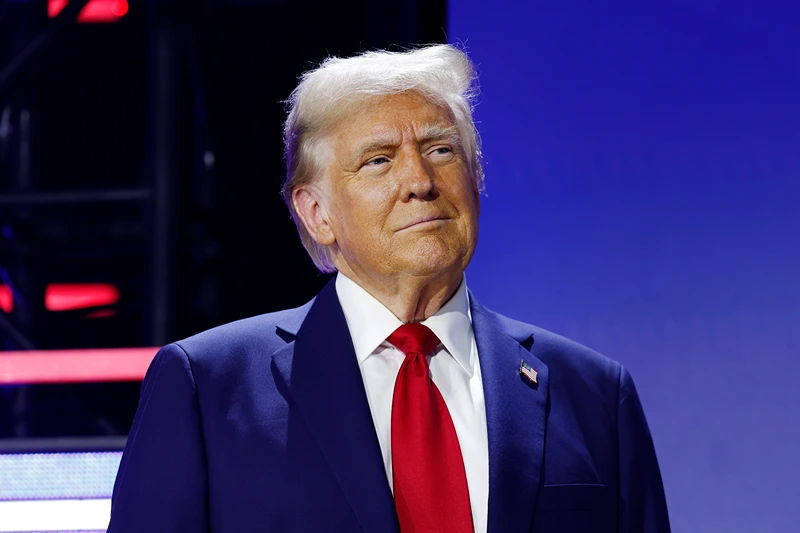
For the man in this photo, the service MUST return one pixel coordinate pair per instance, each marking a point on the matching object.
(393, 401)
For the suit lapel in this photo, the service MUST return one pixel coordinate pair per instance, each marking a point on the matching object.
(516, 413)
(321, 372)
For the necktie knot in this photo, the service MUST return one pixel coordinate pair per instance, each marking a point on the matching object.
(414, 338)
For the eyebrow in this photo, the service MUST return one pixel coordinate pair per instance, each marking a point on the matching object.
(438, 132)
(427, 133)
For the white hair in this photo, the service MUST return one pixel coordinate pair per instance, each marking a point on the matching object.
(441, 73)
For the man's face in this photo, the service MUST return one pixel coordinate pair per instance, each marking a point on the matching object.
(400, 199)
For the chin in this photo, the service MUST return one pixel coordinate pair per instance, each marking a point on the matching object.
(434, 262)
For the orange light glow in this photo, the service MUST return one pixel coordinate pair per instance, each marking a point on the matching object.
(95, 10)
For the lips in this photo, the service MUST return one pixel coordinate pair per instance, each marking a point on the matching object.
(423, 220)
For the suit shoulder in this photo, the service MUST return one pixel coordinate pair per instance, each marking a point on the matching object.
(559, 352)
(269, 332)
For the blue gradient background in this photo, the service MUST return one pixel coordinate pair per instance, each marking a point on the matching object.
(643, 177)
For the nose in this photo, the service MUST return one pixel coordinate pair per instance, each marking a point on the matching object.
(418, 178)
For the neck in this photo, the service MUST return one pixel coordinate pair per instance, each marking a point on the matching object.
(410, 299)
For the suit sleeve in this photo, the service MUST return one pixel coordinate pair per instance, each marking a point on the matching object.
(161, 485)
(642, 504)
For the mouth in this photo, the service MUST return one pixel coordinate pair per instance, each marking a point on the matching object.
(424, 221)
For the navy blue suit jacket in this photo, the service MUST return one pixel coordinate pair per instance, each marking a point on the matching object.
(264, 425)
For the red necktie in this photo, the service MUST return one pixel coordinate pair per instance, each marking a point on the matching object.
(430, 485)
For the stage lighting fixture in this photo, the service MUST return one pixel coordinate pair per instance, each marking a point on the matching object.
(95, 10)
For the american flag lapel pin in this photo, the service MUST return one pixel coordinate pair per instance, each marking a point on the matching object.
(528, 372)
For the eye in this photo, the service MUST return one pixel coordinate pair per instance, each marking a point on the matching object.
(441, 152)
(376, 161)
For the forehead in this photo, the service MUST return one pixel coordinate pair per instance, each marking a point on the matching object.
(395, 115)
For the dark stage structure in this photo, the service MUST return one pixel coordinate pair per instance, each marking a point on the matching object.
(140, 169)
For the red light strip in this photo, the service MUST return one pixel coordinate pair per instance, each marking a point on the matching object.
(68, 296)
(6, 299)
(71, 296)
(95, 10)
(75, 366)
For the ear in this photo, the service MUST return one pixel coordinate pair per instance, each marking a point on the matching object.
(308, 204)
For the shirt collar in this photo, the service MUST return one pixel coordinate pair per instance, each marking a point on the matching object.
(370, 322)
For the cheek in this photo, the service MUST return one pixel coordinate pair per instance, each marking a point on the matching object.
(361, 214)
(468, 202)
(371, 202)
(470, 209)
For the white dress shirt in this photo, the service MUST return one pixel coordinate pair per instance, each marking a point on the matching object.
(454, 369)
